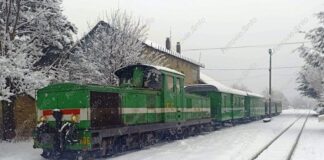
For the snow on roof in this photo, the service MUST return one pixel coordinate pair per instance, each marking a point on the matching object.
(221, 87)
(160, 68)
(172, 53)
(167, 69)
(255, 94)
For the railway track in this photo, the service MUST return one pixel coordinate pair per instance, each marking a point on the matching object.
(284, 144)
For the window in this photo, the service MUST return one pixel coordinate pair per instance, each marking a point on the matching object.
(189, 102)
(152, 79)
(178, 85)
(224, 101)
(170, 83)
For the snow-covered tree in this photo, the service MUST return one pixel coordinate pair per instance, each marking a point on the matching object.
(109, 46)
(33, 36)
(311, 76)
(310, 81)
(276, 95)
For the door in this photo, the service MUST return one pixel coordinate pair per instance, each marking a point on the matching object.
(169, 99)
(105, 110)
(179, 96)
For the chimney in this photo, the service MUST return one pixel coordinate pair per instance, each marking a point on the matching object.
(178, 47)
(168, 43)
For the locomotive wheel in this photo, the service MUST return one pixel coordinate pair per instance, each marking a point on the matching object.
(103, 150)
(46, 154)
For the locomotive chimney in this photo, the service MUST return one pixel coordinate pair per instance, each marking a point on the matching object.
(178, 47)
(168, 43)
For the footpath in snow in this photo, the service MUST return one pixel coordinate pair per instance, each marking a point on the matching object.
(234, 143)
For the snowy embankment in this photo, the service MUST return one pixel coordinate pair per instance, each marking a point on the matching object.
(311, 143)
(19, 151)
(239, 142)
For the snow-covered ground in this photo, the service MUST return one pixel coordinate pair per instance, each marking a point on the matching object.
(311, 143)
(239, 142)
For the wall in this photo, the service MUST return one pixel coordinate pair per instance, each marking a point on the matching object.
(191, 71)
(1, 122)
(25, 116)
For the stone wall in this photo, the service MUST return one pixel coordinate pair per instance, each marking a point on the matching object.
(25, 116)
(1, 122)
(22, 118)
(190, 70)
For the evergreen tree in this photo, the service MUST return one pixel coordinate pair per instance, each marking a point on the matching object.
(33, 37)
(311, 76)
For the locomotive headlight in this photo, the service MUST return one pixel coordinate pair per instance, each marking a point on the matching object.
(42, 118)
(75, 118)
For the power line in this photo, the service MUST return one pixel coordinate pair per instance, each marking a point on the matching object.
(249, 69)
(247, 46)
(252, 77)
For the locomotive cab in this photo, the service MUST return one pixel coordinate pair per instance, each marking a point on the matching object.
(140, 76)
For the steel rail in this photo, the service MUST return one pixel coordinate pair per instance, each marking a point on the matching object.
(291, 153)
(255, 156)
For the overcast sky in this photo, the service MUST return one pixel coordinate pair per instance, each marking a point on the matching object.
(220, 23)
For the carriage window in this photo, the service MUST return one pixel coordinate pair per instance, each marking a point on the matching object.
(170, 83)
(178, 85)
(224, 101)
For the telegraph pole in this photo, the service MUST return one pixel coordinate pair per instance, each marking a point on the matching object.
(270, 54)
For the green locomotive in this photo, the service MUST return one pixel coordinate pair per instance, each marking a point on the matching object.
(149, 104)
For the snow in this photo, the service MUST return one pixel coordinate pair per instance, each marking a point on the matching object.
(311, 75)
(161, 68)
(107, 47)
(280, 149)
(39, 31)
(311, 143)
(19, 151)
(221, 87)
(240, 142)
(254, 94)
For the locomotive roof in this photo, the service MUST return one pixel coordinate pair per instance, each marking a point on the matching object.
(159, 68)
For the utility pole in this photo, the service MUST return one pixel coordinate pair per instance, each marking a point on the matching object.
(270, 65)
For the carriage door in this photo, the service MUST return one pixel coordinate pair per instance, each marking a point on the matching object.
(178, 98)
(169, 99)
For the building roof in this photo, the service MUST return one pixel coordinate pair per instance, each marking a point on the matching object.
(146, 43)
(171, 53)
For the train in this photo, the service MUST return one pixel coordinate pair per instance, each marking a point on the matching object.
(150, 105)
